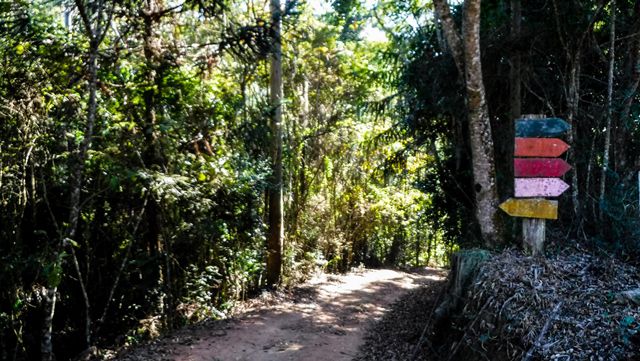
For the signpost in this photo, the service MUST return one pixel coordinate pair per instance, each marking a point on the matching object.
(541, 127)
(540, 147)
(540, 167)
(531, 208)
(537, 175)
(539, 187)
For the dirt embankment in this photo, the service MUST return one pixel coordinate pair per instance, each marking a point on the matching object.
(325, 319)
(568, 306)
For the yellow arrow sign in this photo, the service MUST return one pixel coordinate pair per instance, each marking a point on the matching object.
(531, 208)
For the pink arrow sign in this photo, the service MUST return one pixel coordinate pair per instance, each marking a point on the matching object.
(539, 187)
(540, 167)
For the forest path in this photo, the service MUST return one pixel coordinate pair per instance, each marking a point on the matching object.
(323, 319)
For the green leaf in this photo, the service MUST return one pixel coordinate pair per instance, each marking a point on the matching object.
(114, 182)
(627, 321)
(73, 243)
(17, 305)
(20, 49)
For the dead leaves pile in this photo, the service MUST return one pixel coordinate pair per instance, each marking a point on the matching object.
(564, 307)
(399, 335)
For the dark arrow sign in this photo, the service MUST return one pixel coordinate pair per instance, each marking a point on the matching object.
(545, 127)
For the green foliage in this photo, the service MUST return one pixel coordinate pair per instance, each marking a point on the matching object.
(173, 210)
(172, 223)
(349, 15)
(200, 287)
(628, 328)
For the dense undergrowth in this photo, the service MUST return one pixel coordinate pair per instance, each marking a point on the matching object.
(170, 186)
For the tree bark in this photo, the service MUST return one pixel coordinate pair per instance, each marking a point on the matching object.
(153, 155)
(298, 172)
(515, 102)
(573, 100)
(467, 57)
(632, 74)
(515, 71)
(49, 296)
(482, 152)
(450, 33)
(96, 35)
(417, 249)
(607, 134)
(573, 54)
(276, 232)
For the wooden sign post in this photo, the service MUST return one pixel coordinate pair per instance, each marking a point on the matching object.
(537, 175)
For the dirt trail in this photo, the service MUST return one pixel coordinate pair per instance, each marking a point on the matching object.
(324, 320)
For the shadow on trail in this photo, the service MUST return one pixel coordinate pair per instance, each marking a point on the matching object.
(324, 321)
(400, 333)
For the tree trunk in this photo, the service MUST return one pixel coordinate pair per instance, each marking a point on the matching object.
(515, 104)
(464, 268)
(573, 100)
(515, 71)
(450, 33)
(632, 73)
(573, 52)
(298, 172)
(46, 344)
(77, 180)
(607, 134)
(276, 233)
(154, 158)
(417, 249)
(482, 153)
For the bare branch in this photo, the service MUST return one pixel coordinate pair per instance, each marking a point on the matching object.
(85, 19)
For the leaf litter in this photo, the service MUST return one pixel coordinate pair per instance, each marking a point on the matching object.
(564, 307)
(569, 306)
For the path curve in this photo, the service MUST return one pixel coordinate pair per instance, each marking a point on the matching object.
(325, 320)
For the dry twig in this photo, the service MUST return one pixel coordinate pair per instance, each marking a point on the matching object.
(543, 332)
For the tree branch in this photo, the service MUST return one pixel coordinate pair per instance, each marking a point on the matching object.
(451, 33)
(542, 333)
(85, 19)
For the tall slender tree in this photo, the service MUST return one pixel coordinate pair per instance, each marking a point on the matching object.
(628, 96)
(466, 54)
(276, 231)
(152, 12)
(515, 70)
(95, 23)
(607, 134)
(573, 50)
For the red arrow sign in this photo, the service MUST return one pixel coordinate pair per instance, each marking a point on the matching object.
(539, 147)
(539, 187)
(540, 167)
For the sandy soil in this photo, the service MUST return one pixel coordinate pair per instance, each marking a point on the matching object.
(323, 320)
